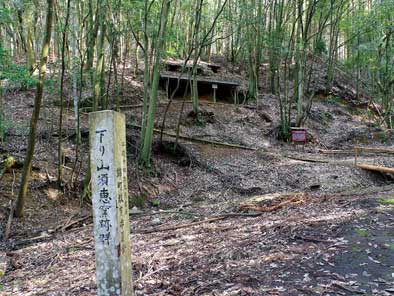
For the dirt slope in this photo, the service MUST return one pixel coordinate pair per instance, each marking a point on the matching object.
(330, 244)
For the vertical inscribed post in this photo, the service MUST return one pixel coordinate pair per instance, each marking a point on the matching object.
(108, 160)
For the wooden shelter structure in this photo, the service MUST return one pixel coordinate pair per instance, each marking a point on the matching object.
(210, 83)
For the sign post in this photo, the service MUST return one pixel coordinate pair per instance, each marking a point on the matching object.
(299, 135)
(108, 164)
(214, 87)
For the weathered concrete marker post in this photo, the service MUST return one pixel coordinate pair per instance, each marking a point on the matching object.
(110, 203)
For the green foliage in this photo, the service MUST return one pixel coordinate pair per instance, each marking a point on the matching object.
(6, 124)
(155, 203)
(4, 15)
(372, 46)
(51, 85)
(198, 199)
(382, 137)
(362, 232)
(284, 133)
(138, 201)
(326, 118)
(387, 201)
(13, 75)
(320, 47)
(334, 101)
(389, 246)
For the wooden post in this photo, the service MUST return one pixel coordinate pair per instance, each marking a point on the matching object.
(168, 88)
(110, 203)
(214, 87)
(235, 95)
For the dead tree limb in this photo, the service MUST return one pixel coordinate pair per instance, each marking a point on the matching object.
(178, 226)
(203, 141)
(308, 159)
(375, 168)
(296, 199)
(360, 149)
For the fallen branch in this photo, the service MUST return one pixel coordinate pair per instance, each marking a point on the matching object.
(208, 220)
(296, 199)
(50, 232)
(375, 168)
(365, 191)
(307, 159)
(201, 102)
(178, 226)
(198, 139)
(70, 223)
(360, 149)
(311, 239)
(131, 106)
(343, 287)
(32, 240)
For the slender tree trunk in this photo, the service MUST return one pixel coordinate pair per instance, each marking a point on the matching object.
(147, 81)
(147, 140)
(99, 69)
(31, 59)
(60, 148)
(196, 46)
(36, 113)
(1, 116)
(91, 40)
(74, 73)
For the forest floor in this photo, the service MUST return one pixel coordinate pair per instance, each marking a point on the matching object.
(322, 225)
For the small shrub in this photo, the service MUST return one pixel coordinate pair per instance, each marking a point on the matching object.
(334, 101)
(138, 201)
(362, 232)
(18, 129)
(326, 118)
(387, 201)
(13, 75)
(284, 133)
(320, 47)
(382, 137)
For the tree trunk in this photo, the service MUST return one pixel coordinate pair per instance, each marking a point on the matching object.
(147, 140)
(1, 116)
(31, 59)
(60, 148)
(97, 88)
(36, 113)
(197, 51)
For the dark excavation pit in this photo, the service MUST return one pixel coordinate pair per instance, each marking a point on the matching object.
(178, 153)
(201, 118)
